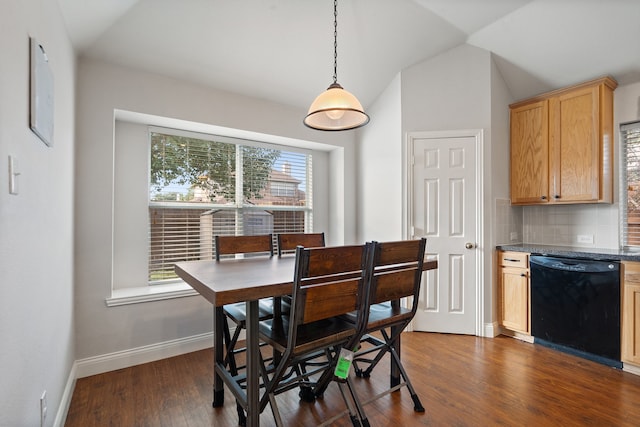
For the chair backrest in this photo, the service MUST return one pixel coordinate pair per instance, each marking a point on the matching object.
(288, 242)
(397, 271)
(328, 282)
(227, 245)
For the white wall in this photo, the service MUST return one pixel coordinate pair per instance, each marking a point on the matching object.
(36, 226)
(380, 169)
(626, 105)
(103, 88)
(497, 170)
(449, 92)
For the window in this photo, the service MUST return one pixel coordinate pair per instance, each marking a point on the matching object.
(630, 184)
(201, 186)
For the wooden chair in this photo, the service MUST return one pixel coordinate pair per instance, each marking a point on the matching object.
(288, 242)
(397, 273)
(233, 245)
(257, 245)
(328, 283)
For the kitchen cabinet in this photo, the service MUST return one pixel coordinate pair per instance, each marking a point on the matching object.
(514, 291)
(631, 313)
(530, 152)
(562, 146)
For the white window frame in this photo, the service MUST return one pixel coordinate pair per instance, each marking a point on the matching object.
(240, 207)
(123, 294)
(624, 184)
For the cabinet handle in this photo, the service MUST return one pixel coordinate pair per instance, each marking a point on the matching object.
(511, 259)
(556, 196)
(543, 198)
(523, 275)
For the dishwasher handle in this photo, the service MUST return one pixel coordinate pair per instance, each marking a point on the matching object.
(573, 264)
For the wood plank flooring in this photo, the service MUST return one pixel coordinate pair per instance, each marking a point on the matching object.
(461, 380)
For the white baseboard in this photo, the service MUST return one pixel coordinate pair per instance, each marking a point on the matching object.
(518, 335)
(632, 369)
(67, 394)
(491, 330)
(136, 356)
(124, 359)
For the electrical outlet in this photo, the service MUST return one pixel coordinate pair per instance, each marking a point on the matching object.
(513, 236)
(43, 408)
(585, 238)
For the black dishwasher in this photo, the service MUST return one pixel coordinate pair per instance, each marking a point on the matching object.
(575, 306)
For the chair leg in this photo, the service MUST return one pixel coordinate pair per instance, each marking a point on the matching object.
(380, 347)
(274, 410)
(306, 391)
(270, 385)
(327, 376)
(230, 342)
(417, 405)
(356, 411)
(242, 418)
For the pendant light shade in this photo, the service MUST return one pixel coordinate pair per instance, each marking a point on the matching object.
(336, 109)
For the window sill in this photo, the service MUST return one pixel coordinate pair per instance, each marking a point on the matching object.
(141, 294)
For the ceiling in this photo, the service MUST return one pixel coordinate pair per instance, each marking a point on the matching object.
(282, 50)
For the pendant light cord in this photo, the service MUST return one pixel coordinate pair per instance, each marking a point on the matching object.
(335, 41)
(335, 109)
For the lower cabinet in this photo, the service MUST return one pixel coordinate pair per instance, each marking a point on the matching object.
(631, 313)
(514, 291)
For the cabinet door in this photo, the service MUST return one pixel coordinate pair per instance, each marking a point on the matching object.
(530, 153)
(514, 304)
(631, 323)
(574, 145)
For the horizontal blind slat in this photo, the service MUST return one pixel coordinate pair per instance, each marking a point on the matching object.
(630, 184)
(192, 196)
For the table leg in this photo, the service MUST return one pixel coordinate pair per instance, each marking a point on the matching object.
(253, 365)
(218, 350)
(395, 371)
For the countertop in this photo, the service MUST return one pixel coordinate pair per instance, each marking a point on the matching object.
(574, 252)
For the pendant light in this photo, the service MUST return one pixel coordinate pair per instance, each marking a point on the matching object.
(336, 109)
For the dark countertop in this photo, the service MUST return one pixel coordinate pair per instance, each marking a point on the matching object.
(573, 252)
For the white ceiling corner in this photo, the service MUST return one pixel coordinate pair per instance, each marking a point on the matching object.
(87, 19)
(282, 50)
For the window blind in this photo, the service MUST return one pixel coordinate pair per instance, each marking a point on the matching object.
(630, 184)
(199, 188)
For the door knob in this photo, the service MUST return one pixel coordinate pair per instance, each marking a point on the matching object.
(469, 245)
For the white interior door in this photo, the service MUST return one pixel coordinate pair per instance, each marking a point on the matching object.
(444, 198)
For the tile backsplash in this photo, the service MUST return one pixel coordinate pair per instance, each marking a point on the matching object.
(558, 225)
(509, 224)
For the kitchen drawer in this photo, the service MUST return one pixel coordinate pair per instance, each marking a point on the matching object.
(631, 272)
(513, 259)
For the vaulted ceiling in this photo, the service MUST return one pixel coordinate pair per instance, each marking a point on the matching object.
(282, 50)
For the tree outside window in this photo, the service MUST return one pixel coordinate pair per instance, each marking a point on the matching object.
(193, 196)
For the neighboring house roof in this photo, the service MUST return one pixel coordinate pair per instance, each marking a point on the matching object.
(280, 176)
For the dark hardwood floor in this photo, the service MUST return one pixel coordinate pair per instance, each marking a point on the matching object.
(461, 380)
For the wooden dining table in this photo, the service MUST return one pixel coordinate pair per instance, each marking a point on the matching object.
(245, 280)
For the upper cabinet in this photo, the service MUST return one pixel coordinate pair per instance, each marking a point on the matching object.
(562, 146)
(530, 152)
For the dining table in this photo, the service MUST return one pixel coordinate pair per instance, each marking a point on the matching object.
(247, 280)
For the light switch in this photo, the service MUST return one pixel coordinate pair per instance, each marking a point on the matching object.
(13, 175)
